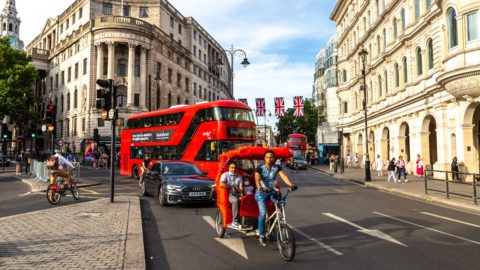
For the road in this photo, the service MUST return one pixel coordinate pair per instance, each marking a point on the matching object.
(338, 225)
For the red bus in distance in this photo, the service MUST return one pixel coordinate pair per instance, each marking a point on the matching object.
(195, 133)
(297, 143)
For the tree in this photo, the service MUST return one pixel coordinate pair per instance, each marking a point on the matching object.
(306, 124)
(17, 76)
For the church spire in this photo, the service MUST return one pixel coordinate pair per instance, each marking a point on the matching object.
(10, 24)
(9, 8)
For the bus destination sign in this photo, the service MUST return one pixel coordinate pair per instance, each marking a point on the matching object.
(152, 136)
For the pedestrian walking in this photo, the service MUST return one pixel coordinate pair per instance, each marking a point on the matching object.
(379, 166)
(355, 160)
(349, 161)
(332, 162)
(19, 163)
(454, 167)
(391, 170)
(419, 166)
(401, 169)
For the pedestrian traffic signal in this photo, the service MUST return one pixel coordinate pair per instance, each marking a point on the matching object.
(33, 135)
(4, 131)
(96, 136)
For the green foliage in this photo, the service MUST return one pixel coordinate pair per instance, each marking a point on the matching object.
(306, 124)
(17, 77)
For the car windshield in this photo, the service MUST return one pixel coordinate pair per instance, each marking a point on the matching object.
(298, 158)
(180, 169)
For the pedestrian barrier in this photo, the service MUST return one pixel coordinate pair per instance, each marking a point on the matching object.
(432, 175)
(39, 170)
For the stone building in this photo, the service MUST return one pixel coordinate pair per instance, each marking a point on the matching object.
(10, 24)
(156, 57)
(325, 96)
(422, 79)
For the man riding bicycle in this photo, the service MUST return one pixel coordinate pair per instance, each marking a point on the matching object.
(63, 170)
(265, 181)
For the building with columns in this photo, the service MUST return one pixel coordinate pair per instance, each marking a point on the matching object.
(155, 55)
(10, 24)
(422, 79)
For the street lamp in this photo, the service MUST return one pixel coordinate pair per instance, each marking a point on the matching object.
(363, 55)
(232, 51)
(265, 123)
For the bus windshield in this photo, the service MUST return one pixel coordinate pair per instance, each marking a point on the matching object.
(234, 114)
(300, 140)
(211, 149)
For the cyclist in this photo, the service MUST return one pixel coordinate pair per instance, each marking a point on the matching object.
(63, 170)
(144, 169)
(265, 182)
(234, 183)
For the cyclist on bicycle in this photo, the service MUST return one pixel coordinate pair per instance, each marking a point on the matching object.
(63, 170)
(265, 182)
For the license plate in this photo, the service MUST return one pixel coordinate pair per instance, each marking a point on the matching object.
(197, 194)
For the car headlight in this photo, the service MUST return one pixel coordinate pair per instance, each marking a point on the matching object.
(174, 187)
(213, 186)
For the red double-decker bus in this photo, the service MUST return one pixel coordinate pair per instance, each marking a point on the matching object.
(297, 143)
(196, 133)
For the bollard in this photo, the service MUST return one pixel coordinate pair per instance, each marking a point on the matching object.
(425, 178)
(474, 182)
(446, 185)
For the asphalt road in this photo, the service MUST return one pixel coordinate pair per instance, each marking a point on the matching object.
(338, 225)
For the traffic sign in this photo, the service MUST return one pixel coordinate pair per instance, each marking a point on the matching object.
(111, 114)
(60, 142)
(44, 128)
(104, 115)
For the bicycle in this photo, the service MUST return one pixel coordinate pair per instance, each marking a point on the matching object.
(57, 190)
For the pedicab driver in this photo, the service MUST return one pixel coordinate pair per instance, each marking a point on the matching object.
(234, 183)
(265, 182)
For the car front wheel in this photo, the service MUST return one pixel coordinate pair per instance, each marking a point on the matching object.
(162, 197)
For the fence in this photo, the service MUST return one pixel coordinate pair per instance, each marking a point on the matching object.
(429, 175)
(39, 169)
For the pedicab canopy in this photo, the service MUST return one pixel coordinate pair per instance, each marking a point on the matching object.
(246, 152)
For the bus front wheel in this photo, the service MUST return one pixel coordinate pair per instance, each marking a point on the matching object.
(135, 173)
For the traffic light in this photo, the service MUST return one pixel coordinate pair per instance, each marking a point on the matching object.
(96, 136)
(340, 135)
(104, 95)
(5, 131)
(33, 134)
(50, 114)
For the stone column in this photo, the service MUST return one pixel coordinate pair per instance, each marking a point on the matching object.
(99, 60)
(442, 141)
(111, 60)
(470, 154)
(143, 76)
(131, 74)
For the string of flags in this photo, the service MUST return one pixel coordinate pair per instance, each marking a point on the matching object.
(298, 106)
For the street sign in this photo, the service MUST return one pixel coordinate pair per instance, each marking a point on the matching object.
(111, 114)
(60, 142)
(44, 128)
(104, 115)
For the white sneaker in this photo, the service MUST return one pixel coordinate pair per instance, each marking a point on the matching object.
(236, 225)
(406, 180)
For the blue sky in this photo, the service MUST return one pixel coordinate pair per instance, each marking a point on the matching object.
(280, 37)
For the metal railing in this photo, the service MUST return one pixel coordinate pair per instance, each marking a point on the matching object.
(39, 169)
(430, 175)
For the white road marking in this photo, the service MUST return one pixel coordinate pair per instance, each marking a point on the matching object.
(435, 230)
(325, 246)
(451, 219)
(25, 194)
(374, 233)
(234, 244)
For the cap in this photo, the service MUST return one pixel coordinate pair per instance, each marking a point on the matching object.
(57, 151)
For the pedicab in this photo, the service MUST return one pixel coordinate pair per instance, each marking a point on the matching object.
(276, 226)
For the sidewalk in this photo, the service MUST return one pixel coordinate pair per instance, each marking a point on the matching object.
(415, 188)
(90, 235)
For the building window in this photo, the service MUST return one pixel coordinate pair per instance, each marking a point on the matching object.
(63, 77)
(56, 80)
(122, 67)
(345, 107)
(68, 101)
(107, 9)
(80, 13)
(384, 39)
(377, 7)
(378, 45)
(169, 77)
(179, 28)
(126, 10)
(395, 31)
(69, 74)
(417, 9)
(73, 18)
(100, 122)
(158, 97)
(344, 75)
(380, 94)
(159, 71)
(397, 75)
(194, 50)
(85, 66)
(75, 98)
(179, 79)
(76, 70)
(178, 100)
(143, 12)
(404, 22)
(83, 124)
(136, 100)
(105, 65)
(473, 25)
(169, 99)
(74, 126)
(67, 24)
(419, 61)
(187, 84)
(405, 70)
(452, 28)
(171, 22)
(62, 100)
(430, 54)
(137, 67)
(386, 82)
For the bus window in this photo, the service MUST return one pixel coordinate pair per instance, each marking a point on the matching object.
(206, 153)
(233, 114)
(170, 152)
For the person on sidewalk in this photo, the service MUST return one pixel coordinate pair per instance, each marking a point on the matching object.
(419, 166)
(355, 160)
(349, 161)
(234, 183)
(379, 166)
(401, 169)
(454, 167)
(332, 163)
(391, 170)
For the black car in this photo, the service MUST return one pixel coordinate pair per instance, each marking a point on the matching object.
(174, 182)
(299, 163)
(5, 162)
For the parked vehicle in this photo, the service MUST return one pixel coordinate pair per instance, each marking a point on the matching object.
(5, 162)
(175, 182)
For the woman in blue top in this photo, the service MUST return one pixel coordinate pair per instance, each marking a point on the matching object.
(265, 181)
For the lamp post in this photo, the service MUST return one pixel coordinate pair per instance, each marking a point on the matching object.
(265, 123)
(363, 55)
(232, 51)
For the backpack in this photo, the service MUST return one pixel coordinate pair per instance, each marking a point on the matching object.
(52, 163)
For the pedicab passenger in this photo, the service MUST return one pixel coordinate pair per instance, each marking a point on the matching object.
(233, 181)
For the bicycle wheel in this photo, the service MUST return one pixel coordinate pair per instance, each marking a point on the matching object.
(74, 190)
(219, 224)
(53, 196)
(286, 242)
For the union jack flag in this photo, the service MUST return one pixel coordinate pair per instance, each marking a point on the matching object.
(243, 100)
(260, 106)
(298, 105)
(279, 106)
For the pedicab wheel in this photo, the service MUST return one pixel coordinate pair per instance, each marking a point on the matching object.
(75, 192)
(286, 242)
(53, 196)
(219, 224)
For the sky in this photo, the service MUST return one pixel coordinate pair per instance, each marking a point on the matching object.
(280, 37)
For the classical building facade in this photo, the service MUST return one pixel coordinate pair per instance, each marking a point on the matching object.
(155, 56)
(325, 95)
(422, 79)
(10, 24)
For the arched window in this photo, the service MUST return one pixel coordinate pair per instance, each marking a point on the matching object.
(419, 61)
(417, 9)
(10, 27)
(386, 82)
(75, 99)
(395, 31)
(430, 54)
(404, 22)
(384, 39)
(405, 70)
(169, 99)
(452, 28)
(397, 75)
(379, 86)
(122, 67)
